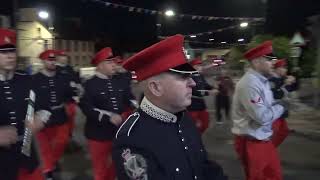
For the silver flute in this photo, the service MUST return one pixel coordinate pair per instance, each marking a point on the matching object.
(27, 138)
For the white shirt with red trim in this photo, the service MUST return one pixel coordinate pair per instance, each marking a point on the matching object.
(254, 108)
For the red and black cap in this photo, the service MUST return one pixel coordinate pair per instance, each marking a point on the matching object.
(8, 40)
(165, 56)
(104, 54)
(263, 50)
(48, 55)
(280, 63)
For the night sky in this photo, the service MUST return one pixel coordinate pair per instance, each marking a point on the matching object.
(127, 31)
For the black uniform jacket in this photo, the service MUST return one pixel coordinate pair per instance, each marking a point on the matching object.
(102, 97)
(278, 88)
(71, 76)
(198, 102)
(53, 92)
(14, 96)
(157, 145)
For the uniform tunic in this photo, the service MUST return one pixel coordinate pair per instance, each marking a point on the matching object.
(278, 88)
(198, 102)
(102, 97)
(53, 92)
(14, 96)
(68, 72)
(157, 145)
(71, 76)
(280, 126)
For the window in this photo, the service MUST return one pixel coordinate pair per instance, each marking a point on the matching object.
(77, 60)
(76, 45)
(68, 45)
(90, 46)
(46, 44)
(84, 46)
(84, 60)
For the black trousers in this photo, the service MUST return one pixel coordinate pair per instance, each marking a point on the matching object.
(222, 102)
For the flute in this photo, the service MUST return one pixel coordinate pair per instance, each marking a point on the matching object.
(27, 138)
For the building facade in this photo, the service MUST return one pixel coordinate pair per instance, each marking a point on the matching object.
(79, 52)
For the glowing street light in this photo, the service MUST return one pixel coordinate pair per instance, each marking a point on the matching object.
(169, 13)
(223, 42)
(211, 39)
(244, 24)
(240, 40)
(43, 14)
(193, 36)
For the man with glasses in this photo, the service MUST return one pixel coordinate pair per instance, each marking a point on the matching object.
(160, 141)
(253, 113)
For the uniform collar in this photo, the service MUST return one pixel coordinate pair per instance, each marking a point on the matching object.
(47, 73)
(157, 113)
(102, 76)
(6, 77)
(258, 75)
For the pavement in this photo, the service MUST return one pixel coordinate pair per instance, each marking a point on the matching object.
(300, 153)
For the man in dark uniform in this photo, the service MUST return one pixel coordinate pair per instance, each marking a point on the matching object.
(281, 85)
(159, 141)
(14, 94)
(121, 72)
(52, 91)
(73, 78)
(126, 78)
(198, 108)
(105, 99)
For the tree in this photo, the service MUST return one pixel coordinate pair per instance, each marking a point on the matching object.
(281, 44)
(258, 39)
(235, 56)
(281, 49)
(308, 62)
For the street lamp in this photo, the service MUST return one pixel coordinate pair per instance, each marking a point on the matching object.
(169, 13)
(193, 36)
(223, 42)
(43, 14)
(244, 24)
(240, 40)
(211, 39)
